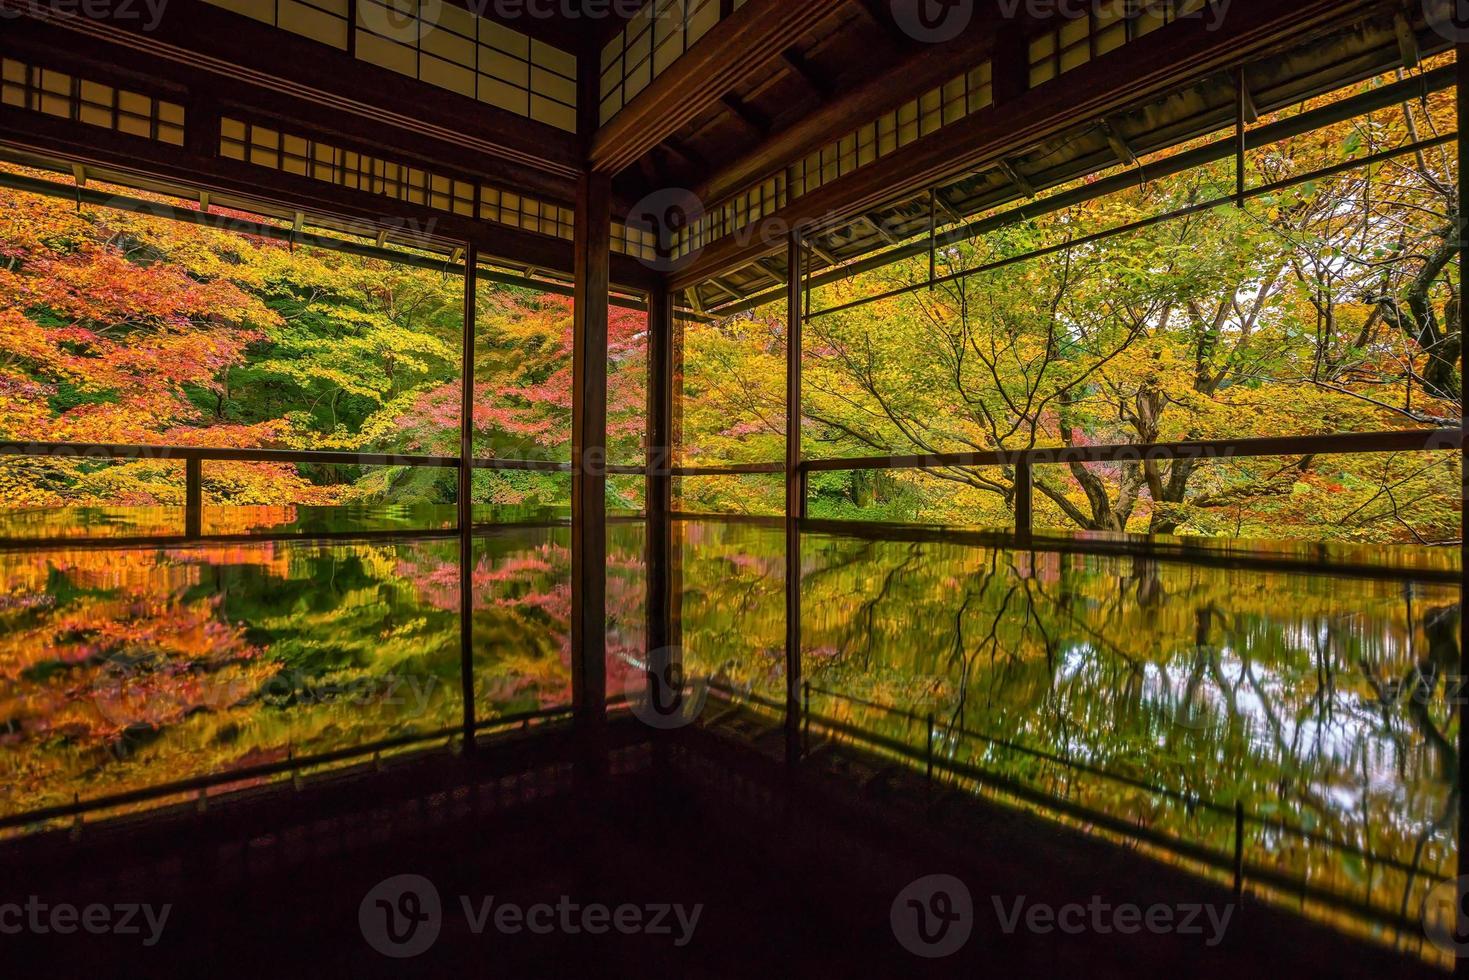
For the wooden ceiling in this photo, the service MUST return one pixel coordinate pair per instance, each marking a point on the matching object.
(853, 63)
(580, 26)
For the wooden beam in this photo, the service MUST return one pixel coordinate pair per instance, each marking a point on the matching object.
(725, 288)
(1462, 108)
(821, 253)
(1119, 146)
(466, 497)
(76, 144)
(795, 509)
(765, 267)
(738, 46)
(1148, 67)
(882, 232)
(807, 73)
(946, 207)
(659, 558)
(754, 126)
(1407, 41)
(841, 114)
(589, 458)
(1015, 177)
(797, 262)
(879, 14)
(247, 60)
(675, 148)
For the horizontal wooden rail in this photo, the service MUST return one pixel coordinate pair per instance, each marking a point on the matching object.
(1416, 440)
(103, 451)
(194, 454)
(738, 469)
(197, 454)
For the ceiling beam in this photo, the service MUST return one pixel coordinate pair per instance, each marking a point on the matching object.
(878, 227)
(945, 206)
(843, 113)
(776, 276)
(748, 120)
(879, 14)
(1120, 149)
(677, 150)
(1015, 177)
(740, 44)
(807, 73)
(197, 40)
(1180, 53)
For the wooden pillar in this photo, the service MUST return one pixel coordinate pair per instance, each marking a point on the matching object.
(193, 497)
(795, 492)
(1461, 965)
(1024, 501)
(659, 554)
(466, 495)
(676, 528)
(795, 318)
(589, 457)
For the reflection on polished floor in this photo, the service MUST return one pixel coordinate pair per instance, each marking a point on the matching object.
(1263, 715)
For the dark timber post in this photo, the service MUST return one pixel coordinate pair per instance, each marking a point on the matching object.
(675, 439)
(661, 653)
(193, 497)
(589, 452)
(795, 494)
(1239, 851)
(1024, 500)
(1241, 98)
(1461, 965)
(466, 495)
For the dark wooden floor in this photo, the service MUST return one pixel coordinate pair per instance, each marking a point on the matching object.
(792, 878)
